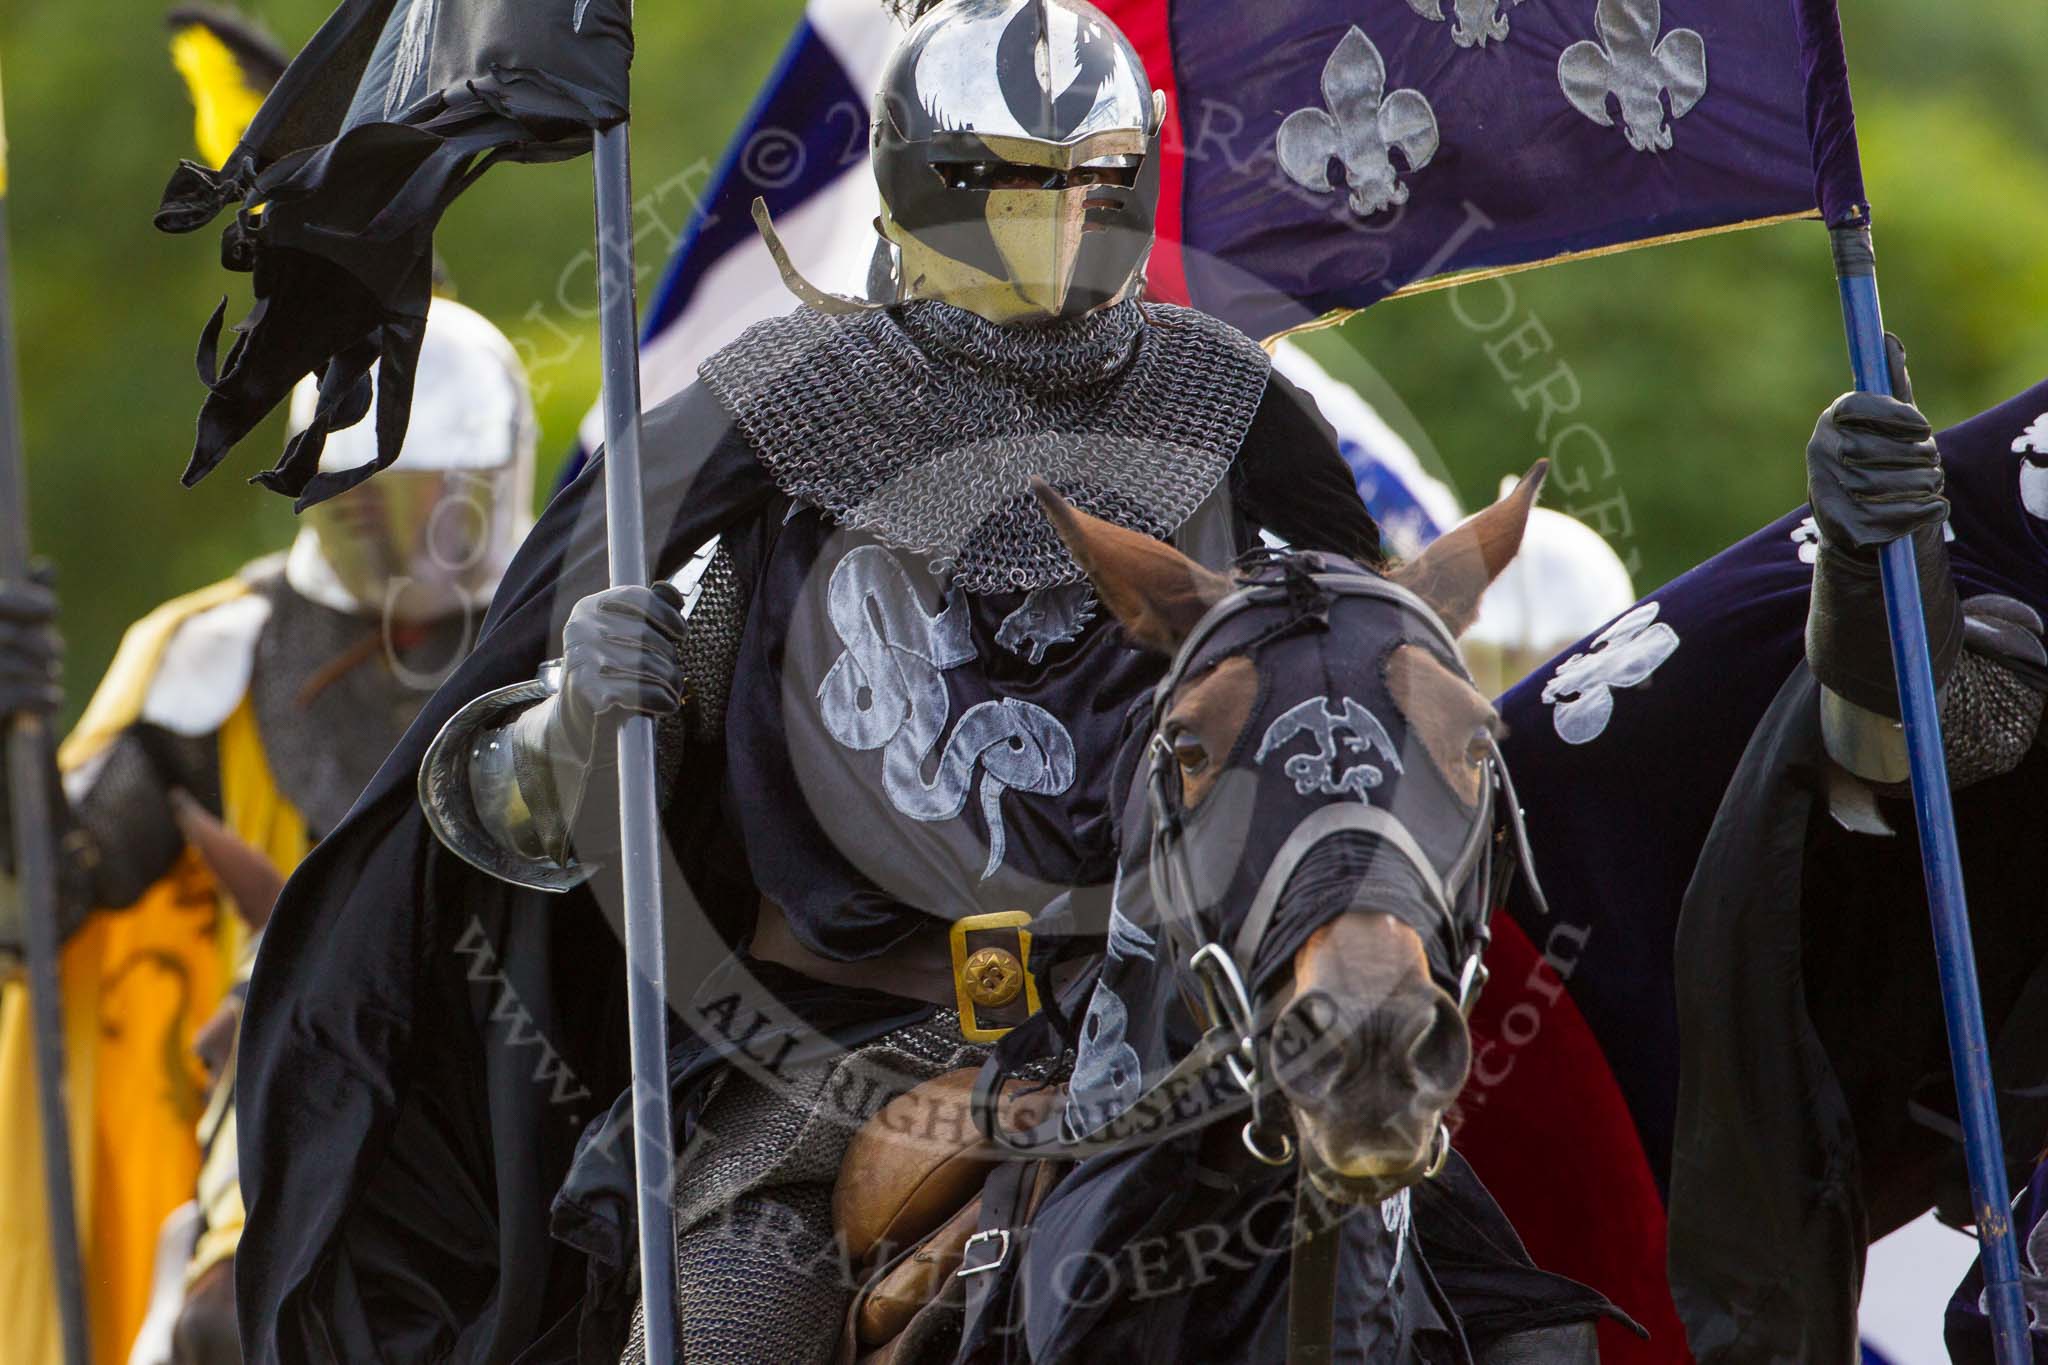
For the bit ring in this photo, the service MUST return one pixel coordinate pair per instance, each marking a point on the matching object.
(1440, 1153)
(1251, 1144)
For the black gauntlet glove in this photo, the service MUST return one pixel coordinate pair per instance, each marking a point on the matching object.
(1873, 475)
(621, 656)
(31, 680)
(31, 651)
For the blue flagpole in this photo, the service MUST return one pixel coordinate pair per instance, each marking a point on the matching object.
(1955, 957)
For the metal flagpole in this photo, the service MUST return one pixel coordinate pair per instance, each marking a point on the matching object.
(639, 834)
(1969, 1050)
(35, 868)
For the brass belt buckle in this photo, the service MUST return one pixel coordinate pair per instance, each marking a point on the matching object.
(992, 974)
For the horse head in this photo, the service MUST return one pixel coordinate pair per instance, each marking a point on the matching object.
(1329, 824)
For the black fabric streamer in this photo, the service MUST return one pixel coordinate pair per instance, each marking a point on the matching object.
(390, 112)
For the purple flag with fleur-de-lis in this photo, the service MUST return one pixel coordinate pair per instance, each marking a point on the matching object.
(1334, 155)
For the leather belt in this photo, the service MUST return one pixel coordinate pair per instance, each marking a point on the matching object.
(991, 974)
(981, 967)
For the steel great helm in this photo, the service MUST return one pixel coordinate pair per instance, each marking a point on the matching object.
(431, 535)
(1013, 146)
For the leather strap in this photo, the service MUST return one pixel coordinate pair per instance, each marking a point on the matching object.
(1312, 1282)
(918, 968)
(1003, 1212)
(1198, 1091)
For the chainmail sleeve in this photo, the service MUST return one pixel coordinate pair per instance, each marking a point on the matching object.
(482, 786)
(124, 838)
(1990, 718)
(710, 651)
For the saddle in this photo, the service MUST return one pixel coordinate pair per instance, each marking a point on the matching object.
(909, 1206)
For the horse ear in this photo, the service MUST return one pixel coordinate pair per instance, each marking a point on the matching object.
(1157, 592)
(1453, 573)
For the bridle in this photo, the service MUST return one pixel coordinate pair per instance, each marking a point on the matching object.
(1460, 899)
(1230, 1069)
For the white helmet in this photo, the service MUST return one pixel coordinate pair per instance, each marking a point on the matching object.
(432, 534)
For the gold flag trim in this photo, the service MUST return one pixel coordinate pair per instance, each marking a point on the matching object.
(1338, 316)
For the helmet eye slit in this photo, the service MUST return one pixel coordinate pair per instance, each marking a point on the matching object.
(986, 176)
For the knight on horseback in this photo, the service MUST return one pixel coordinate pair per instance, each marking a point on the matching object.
(896, 727)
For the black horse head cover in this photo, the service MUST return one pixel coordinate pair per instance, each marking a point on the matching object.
(1326, 736)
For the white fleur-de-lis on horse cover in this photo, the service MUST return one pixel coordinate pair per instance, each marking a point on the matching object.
(2033, 1275)
(1623, 655)
(2034, 473)
(1317, 772)
(1632, 64)
(1108, 1074)
(1806, 535)
(1363, 123)
(1475, 22)
(2033, 440)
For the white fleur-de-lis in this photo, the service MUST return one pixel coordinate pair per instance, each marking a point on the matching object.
(1475, 23)
(1806, 535)
(1623, 655)
(1363, 123)
(2033, 475)
(2033, 1277)
(1108, 1074)
(1632, 64)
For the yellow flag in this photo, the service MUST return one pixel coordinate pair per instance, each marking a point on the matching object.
(229, 65)
(222, 103)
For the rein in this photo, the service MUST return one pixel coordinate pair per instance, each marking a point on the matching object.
(1228, 1072)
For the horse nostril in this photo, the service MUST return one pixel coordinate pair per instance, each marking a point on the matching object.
(1377, 1065)
(1442, 1050)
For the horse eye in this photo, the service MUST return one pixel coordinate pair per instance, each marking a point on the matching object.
(1188, 752)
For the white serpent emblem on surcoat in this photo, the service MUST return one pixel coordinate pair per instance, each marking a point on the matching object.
(884, 692)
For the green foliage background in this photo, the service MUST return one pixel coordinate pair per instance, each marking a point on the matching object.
(1701, 365)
